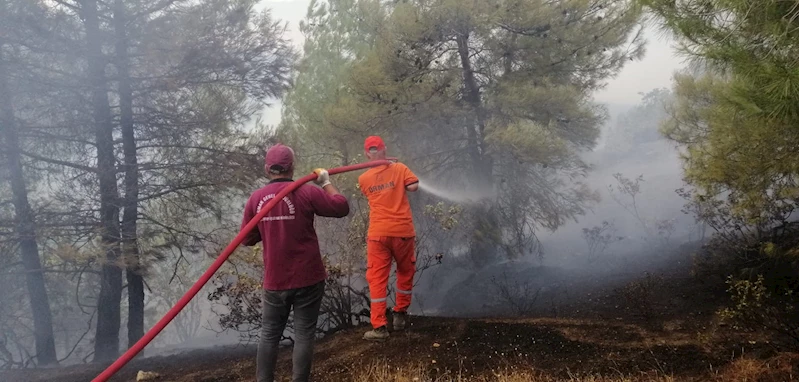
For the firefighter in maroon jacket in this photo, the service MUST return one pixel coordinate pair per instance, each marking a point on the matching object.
(294, 274)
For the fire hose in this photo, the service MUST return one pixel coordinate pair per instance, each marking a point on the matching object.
(173, 312)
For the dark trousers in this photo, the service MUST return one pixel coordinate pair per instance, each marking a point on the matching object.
(277, 305)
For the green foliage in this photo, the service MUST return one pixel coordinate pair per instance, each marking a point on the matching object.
(445, 217)
(730, 152)
(198, 70)
(492, 95)
(337, 32)
(735, 118)
(756, 306)
(752, 41)
(735, 122)
(761, 267)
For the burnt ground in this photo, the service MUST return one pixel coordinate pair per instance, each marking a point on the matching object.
(601, 334)
(660, 326)
(559, 347)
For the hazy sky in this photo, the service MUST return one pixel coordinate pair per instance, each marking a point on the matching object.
(653, 71)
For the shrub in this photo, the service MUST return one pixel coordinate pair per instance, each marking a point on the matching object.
(641, 295)
(599, 238)
(346, 302)
(520, 296)
(756, 307)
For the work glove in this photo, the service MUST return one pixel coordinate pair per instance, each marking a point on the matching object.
(322, 177)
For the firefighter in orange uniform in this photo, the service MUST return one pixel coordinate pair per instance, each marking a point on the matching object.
(391, 235)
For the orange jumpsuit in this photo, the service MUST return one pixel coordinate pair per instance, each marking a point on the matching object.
(391, 235)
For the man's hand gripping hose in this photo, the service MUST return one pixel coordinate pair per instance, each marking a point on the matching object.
(322, 177)
(170, 315)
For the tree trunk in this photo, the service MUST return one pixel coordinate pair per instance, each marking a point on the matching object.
(476, 131)
(508, 57)
(106, 346)
(130, 211)
(487, 232)
(26, 230)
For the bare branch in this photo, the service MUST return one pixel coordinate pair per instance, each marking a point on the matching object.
(60, 162)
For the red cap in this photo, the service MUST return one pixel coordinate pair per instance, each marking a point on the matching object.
(374, 141)
(280, 155)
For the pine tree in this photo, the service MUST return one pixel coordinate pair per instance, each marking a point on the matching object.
(25, 227)
(495, 95)
(735, 115)
(337, 33)
(176, 80)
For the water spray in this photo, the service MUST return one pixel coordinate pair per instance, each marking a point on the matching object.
(459, 196)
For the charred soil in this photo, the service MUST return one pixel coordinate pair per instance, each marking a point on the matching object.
(442, 348)
(658, 327)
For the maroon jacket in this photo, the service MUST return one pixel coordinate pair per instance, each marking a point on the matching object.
(291, 249)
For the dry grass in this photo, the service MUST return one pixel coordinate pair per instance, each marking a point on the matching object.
(776, 369)
(382, 372)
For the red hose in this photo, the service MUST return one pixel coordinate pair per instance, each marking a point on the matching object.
(172, 313)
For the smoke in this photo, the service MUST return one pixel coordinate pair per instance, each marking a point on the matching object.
(640, 231)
